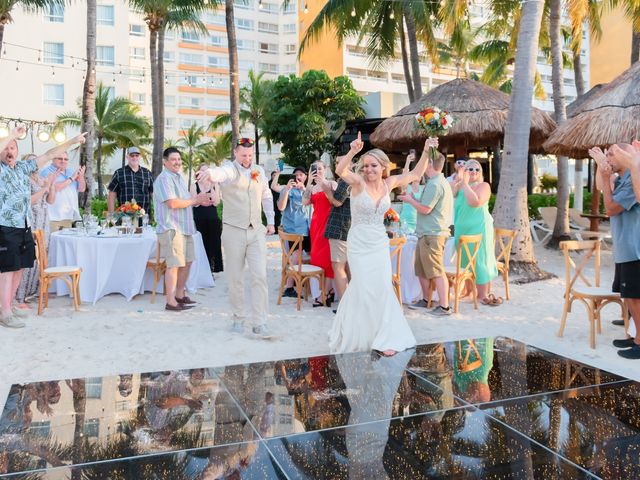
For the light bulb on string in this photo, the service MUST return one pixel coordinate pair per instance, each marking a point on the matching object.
(260, 6)
(353, 12)
(59, 136)
(114, 78)
(39, 57)
(391, 15)
(43, 133)
(17, 65)
(53, 72)
(23, 135)
(306, 9)
(4, 130)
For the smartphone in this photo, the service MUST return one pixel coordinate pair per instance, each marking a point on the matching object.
(313, 169)
(412, 152)
(281, 165)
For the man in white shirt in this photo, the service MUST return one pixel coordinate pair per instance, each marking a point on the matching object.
(65, 210)
(245, 193)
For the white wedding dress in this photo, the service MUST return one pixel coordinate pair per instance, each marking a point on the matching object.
(369, 315)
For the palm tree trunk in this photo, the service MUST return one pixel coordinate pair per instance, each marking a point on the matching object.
(99, 167)
(234, 87)
(413, 50)
(577, 73)
(561, 228)
(635, 47)
(1, 37)
(511, 203)
(78, 387)
(89, 101)
(405, 63)
(156, 156)
(190, 166)
(256, 137)
(160, 90)
(124, 156)
(495, 167)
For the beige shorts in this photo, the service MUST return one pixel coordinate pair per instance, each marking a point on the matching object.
(338, 250)
(429, 261)
(176, 248)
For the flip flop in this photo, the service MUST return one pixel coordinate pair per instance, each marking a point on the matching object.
(492, 301)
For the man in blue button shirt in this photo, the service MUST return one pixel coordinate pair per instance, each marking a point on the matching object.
(623, 208)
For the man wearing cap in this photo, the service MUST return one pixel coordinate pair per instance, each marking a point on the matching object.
(131, 182)
(246, 193)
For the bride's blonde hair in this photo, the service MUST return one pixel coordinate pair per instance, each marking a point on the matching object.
(376, 153)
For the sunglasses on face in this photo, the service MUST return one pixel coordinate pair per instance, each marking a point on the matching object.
(460, 163)
(245, 142)
(472, 169)
(63, 159)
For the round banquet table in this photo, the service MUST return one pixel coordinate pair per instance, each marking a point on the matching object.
(117, 264)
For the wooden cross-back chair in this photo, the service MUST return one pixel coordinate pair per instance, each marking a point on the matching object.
(503, 240)
(578, 287)
(468, 245)
(397, 244)
(68, 274)
(159, 267)
(301, 273)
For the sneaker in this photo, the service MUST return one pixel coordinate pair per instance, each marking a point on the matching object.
(419, 304)
(262, 331)
(20, 312)
(290, 292)
(624, 343)
(440, 311)
(632, 353)
(11, 322)
(237, 327)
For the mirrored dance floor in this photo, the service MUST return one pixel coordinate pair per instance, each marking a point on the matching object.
(487, 408)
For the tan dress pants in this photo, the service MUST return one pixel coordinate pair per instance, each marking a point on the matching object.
(246, 247)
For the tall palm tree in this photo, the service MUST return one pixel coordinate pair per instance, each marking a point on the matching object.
(511, 203)
(160, 15)
(7, 6)
(234, 84)
(192, 142)
(218, 149)
(115, 121)
(254, 102)
(89, 100)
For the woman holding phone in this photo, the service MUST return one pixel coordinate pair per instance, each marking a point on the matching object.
(320, 250)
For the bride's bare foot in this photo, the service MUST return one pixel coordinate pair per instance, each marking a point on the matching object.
(389, 353)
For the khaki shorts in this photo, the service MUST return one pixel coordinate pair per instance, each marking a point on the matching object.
(176, 248)
(338, 250)
(56, 225)
(429, 261)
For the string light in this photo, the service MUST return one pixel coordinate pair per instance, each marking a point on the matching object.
(39, 57)
(391, 15)
(17, 65)
(4, 129)
(353, 12)
(53, 72)
(306, 8)
(260, 6)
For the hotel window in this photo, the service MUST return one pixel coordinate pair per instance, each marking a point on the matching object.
(244, 24)
(268, 67)
(53, 94)
(244, 4)
(190, 37)
(245, 64)
(40, 429)
(268, 27)
(269, 7)
(54, 13)
(105, 15)
(105, 56)
(169, 56)
(169, 35)
(169, 123)
(289, 68)
(138, 98)
(290, 8)
(136, 53)
(53, 53)
(170, 101)
(186, 123)
(246, 45)
(190, 80)
(217, 103)
(215, 18)
(92, 427)
(191, 58)
(289, 28)
(93, 387)
(218, 62)
(136, 30)
(218, 41)
(136, 75)
(290, 49)
(219, 82)
(268, 48)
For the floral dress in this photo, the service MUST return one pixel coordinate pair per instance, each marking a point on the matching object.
(30, 277)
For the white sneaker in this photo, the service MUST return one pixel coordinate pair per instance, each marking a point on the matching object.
(262, 331)
(422, 303)
(237, 327)
(11, 322)
(20, 312)
(440, 311)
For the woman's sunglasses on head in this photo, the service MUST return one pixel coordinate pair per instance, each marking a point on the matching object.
(245, 142)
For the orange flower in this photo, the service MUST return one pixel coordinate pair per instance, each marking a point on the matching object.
(254, 175)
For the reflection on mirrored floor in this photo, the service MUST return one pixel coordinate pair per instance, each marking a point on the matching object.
(360, 415)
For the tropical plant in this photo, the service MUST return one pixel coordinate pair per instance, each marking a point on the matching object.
(234, 84)
(89, 101)
(306, 112)
(191, 141)
(116, 122)
(160, 16)
(254, 102)
(218, 149)
(511, 202)
(30, 6)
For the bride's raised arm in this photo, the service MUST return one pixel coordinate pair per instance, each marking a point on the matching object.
(344, 166)
(417, 172)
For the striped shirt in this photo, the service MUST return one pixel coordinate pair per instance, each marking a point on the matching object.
(169, 186)
(128, 185)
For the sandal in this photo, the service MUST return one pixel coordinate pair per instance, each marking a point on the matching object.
(492, 301)
(317, 303)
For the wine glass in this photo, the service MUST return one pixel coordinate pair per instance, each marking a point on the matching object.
(145, 221)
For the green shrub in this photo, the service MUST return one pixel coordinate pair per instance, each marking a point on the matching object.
(538, 200)
(548, 181)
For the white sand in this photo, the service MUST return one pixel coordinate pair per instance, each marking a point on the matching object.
(116, 336)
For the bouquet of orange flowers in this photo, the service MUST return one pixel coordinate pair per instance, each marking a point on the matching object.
(434, 121)
(391, 216)
(129, 209)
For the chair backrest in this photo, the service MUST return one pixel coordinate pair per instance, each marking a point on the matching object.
(158, 256)
(41, 250)
(466, 243)
(548, 215)
(290, 242)
(578, 220)
(574, 271)
(397, 244)
(503, 240)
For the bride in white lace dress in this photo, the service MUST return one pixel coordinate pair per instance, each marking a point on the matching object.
(369, 315)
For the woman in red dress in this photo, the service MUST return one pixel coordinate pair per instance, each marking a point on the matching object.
(320, 252)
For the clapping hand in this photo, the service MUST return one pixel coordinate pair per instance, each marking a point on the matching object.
(599, 156)
(356, 145)
(203, 175)
(464, 176)
(626, 158)
(50, 179)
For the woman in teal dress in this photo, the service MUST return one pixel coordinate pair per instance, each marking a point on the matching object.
(471, 218)
(408, 214)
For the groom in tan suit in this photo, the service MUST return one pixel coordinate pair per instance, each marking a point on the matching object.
(245, 193)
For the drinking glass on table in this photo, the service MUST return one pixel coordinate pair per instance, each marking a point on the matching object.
(145, 221)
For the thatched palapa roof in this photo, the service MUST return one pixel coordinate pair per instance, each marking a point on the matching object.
(611, 115)
(575, 107)
(481, 116)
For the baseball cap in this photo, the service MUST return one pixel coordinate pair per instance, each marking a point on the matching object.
(133, 150)
(299, 169)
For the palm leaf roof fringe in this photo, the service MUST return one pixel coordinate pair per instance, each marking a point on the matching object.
(481, 116)
(610, 115)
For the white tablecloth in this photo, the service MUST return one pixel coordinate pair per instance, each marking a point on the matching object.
(117, 264)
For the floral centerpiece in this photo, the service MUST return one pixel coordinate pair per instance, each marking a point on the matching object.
(390, 217)
(129, 209)
(435, 122)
